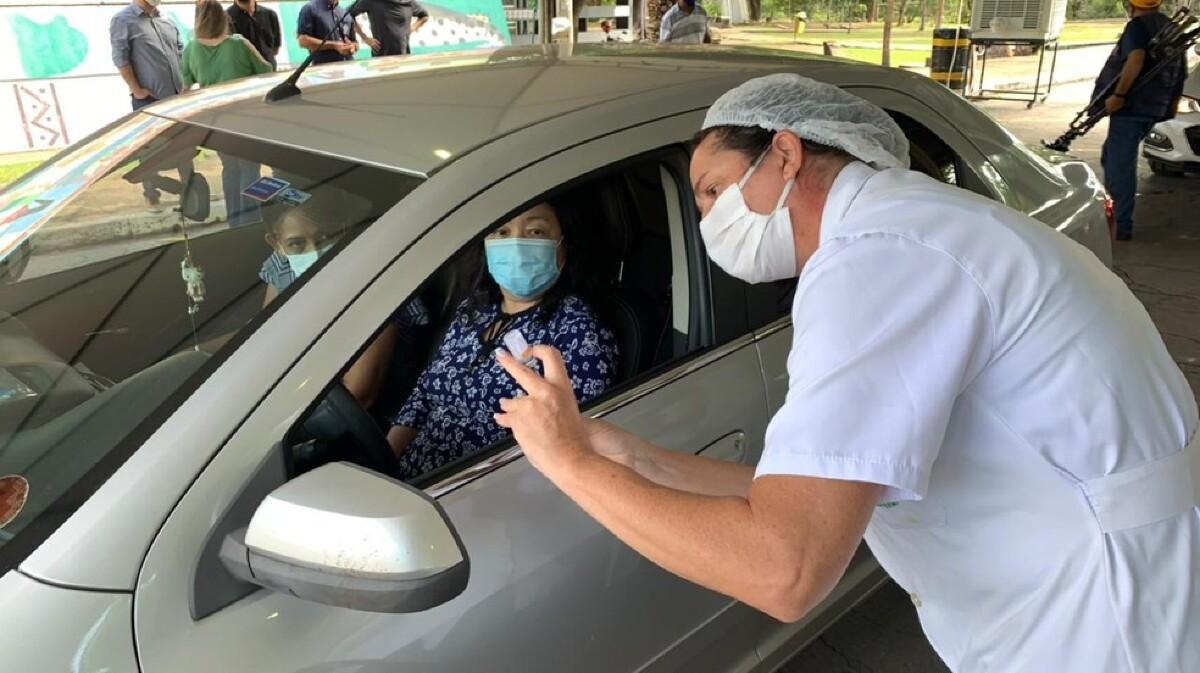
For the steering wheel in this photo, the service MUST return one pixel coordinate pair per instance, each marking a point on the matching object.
(340, 420)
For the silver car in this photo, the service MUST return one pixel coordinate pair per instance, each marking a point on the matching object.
(191, 487)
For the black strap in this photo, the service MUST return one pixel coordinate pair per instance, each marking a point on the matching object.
(497, 329)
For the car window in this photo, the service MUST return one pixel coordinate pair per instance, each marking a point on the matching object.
(622, 307)
(130, 262)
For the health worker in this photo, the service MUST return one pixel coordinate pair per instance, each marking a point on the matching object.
(971, 391)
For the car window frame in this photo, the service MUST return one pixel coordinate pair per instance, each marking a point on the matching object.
(968, 152)
(672, 160)
(236, 470)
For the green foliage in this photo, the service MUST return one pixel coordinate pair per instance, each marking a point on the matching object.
(1095, 9)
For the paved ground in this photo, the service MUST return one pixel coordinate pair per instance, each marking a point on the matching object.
(1161, 264)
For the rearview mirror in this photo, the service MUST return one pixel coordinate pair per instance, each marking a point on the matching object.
(195, 195)
(345, 536)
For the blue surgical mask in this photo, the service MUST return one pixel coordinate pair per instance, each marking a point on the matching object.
(524, 267)
(303, 261)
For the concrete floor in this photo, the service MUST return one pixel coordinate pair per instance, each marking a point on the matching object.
(1161, 264)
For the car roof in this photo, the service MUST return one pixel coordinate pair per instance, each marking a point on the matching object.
(416, 114)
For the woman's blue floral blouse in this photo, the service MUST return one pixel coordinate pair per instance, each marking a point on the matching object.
(452, 405)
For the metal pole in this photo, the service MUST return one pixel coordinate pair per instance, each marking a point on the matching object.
(1053, 63)
(545, 20)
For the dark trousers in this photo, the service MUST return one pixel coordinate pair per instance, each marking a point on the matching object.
(236, 175)
(1119, 158)
(147, 187)
(185, 170)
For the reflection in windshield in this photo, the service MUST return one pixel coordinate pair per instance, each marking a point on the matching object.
(28, 204)
(132, 263)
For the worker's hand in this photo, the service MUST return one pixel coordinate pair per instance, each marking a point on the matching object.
(546, 420)
(140, 93)
(374, 44)
(1114, 103)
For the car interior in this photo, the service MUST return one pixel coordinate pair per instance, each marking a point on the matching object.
(632, 294)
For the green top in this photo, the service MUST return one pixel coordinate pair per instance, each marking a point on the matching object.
(233, 58)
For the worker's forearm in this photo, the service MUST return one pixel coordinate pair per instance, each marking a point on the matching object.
(311, 43)
(713, 541)
(130, 78)
(1130, 71)
(673, 469)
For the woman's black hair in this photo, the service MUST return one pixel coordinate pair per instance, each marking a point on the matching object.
(752, 141)
(576, 277)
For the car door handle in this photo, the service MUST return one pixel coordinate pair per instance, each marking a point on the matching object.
(731, 448)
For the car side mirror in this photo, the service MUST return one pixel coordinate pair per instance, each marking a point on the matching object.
(345, 536)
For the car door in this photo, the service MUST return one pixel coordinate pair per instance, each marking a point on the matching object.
(549, 589)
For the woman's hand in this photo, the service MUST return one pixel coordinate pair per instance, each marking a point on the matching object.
(546, 420)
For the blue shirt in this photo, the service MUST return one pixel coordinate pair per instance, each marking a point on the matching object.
(151, 45)
(674, 18)
(452, 405)
(317, 19)
(1152, 100)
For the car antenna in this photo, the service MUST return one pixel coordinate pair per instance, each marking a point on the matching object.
(287, 88)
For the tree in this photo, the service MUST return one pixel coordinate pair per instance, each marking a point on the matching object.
(887, 34)
(941, 14)
(873, 11)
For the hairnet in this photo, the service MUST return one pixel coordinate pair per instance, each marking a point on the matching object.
(821, 113)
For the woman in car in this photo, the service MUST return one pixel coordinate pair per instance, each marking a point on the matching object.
(299, 232)
(530, 284)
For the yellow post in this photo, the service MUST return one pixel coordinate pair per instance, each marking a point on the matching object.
(800, 20)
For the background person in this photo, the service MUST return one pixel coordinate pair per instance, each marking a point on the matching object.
(685, 23)
(212, 57)
(973, 391)
(259, 25)
(530, 283)
(1132, 115)
(298, 236)
(145, 49)
(319, 19)
(392, 23)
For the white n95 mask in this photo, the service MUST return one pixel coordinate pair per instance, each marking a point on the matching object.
(754, 247)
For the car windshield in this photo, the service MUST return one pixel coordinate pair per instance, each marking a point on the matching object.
(127, 264)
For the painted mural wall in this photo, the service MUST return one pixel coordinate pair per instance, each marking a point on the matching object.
(58, 84)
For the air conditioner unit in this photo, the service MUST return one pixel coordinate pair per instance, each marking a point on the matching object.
(1040, 20)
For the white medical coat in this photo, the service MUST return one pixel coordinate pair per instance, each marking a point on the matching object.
(1021, 409)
